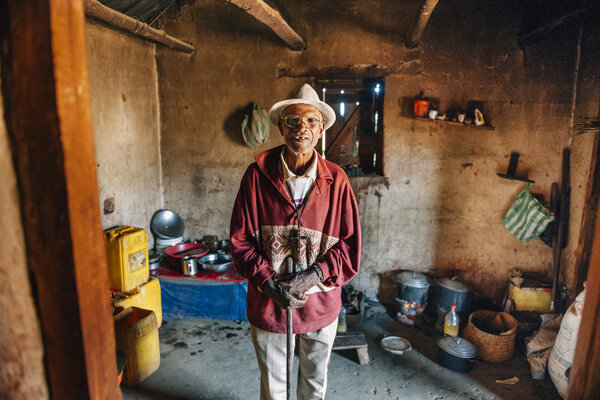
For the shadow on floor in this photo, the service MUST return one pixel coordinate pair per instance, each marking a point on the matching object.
(154, 394)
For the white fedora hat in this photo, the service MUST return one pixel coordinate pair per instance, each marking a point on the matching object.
(306, 95)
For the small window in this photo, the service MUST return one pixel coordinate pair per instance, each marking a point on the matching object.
(355, 141)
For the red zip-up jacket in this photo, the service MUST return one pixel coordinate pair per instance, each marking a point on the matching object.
(262, 229)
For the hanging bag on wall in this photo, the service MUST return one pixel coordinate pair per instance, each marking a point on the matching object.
(527, 217)
(256, 127)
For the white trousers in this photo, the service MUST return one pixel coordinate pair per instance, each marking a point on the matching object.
(314, 349)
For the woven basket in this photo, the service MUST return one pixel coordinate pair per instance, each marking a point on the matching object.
(492, 347)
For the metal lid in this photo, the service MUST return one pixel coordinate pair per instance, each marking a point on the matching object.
(395, 344)
(166, 224)
(412, 279)
(457, 346)
(454, 284)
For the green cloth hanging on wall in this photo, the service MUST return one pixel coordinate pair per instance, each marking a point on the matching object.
(256, 127)
(527, 218)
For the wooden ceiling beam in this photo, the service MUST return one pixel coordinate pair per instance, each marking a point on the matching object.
(425, 10)
(97, 10)
(538, 34)
(273, 19)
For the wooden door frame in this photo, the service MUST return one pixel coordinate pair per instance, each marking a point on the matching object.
(48, 118)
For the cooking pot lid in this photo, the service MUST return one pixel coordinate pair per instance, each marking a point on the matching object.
(457, 346)
(412, 279)
(395, 344)
(454, 284)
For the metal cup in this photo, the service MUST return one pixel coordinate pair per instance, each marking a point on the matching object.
(189, 265)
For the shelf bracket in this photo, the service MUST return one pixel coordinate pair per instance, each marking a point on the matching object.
(512, 170)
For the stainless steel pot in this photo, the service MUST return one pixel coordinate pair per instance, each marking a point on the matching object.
(413, 287)
(450, 291)
(189, 265)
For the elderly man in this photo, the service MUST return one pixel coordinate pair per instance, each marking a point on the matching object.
(293, 207)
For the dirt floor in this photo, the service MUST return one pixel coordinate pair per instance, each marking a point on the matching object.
(209, 359)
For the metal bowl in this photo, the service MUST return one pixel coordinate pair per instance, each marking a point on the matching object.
(215, 262)
(166, 224)
(177, 252)
(154, 259)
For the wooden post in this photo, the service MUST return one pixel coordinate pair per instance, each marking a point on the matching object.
(46, 95)
(583, 380)
(586, 234)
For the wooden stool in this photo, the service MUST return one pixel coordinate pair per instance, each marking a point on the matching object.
(353, 340)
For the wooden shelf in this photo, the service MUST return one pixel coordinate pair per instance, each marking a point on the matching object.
(488, 127)
(515, 178)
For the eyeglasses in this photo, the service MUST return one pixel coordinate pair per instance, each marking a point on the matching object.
(295, 121)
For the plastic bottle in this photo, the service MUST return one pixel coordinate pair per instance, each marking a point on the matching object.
(342, 327)
(451, 322)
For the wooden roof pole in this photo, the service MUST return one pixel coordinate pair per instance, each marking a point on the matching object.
(273, 19)
(95, 9)
(414, 34)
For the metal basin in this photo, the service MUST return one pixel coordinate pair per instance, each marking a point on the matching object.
(166, 224)
(215, 262)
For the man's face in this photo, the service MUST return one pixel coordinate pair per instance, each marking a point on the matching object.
(301, 126)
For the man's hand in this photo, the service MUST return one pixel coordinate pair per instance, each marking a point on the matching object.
(297, 284)
(281, 296)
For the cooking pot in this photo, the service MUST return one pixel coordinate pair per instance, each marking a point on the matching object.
(413, 287)
(456, 353)
(450, 291)
(154, 260)
(189, 265)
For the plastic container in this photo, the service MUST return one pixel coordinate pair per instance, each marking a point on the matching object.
(127, 256)
(177, 252)
(145, 296)
(451, 322)
(136, 332)
(342, 325)
(421, 108)
(530, 298)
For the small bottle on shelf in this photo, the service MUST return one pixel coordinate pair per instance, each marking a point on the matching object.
(451, 322)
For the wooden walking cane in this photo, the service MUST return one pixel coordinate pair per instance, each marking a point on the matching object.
(290, 338)
(291, 269)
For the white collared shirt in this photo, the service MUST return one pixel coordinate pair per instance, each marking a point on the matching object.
(299, 185)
